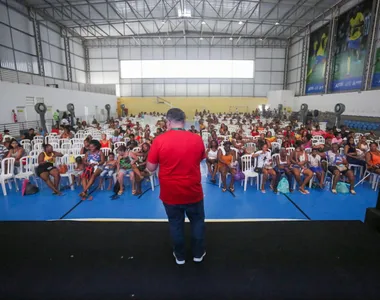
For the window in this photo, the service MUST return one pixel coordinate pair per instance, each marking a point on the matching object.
(187, 68)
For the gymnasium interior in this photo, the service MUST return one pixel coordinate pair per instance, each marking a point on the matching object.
(280, 72)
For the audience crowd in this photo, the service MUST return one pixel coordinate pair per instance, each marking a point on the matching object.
(273, 148)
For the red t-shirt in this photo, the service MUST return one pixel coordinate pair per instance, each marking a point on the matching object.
(179, 154)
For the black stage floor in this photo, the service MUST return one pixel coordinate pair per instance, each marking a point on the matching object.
(124, 260)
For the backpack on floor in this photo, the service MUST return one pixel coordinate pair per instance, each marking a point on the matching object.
(283, 186)
(28, 188)
(342, 188)
(116, 189)
(239, 175)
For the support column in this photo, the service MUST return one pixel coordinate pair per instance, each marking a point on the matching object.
(331, 47)
(371, 46)
(286, 67)
(66, 43)
(305, 54)
(37, 39)
(87, 64)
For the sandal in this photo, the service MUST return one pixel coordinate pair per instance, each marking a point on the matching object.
(232, 190)
(224, 189)
(263, 191)
(334, 191)
(303, 192)
(353, 192)
(133, 192)
(120, 192)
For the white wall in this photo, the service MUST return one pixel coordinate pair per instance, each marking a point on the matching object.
(269, 71)
(359, 104)
(13, 94)
(18, 49)
(284, 97)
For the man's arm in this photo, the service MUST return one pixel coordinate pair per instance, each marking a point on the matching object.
(152, 161)
(151, 167)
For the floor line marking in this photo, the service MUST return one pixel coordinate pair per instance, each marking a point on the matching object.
(148, 189)
(302, 212)
(74, 207)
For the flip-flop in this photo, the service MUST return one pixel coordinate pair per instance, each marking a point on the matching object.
(353, 192)
(334, 191)
(120, 192)
(223, 190)
(232, 190)
(263, 191)
(303, 192)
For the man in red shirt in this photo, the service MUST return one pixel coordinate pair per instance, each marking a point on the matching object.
(179, 153)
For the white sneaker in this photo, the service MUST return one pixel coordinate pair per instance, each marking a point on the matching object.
(199, 259)
(179, 262)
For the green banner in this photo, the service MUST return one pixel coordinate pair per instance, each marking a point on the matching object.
(376, 73)
(316, 66)
(351, 47)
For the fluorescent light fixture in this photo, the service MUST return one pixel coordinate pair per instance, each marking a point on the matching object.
(185, 14)
(201, 38)
(260, 39)
(187, 69)
(203, 22)
(231, 38)
(169, 39)
(241, 22)
(276, 23)
(163, 21)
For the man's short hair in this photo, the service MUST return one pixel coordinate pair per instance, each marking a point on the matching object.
(176, 115)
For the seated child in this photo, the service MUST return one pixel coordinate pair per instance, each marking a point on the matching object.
(109, 169)
(78, 170)
(316, 167)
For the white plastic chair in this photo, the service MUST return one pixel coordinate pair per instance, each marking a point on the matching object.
(74, 151)
(118, 144)
(38, 139)
(275, 146)
(27, 145)
(136, 149)
(290, 150)
(106, 151)
(64, 160)
(66, 145)
(37, 146)
(248, 170)
(26, 169)
(77, 145)
(54, 145)
(62, 141)
(7, 173)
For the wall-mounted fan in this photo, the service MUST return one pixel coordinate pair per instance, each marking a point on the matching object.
(338, 110)
(122, 110)
(41, 110)
(108, 109)
(303, 113)
(71, 109)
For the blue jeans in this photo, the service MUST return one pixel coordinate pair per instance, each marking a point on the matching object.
(176, 216)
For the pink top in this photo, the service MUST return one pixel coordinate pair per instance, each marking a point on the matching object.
(337, 141)
(319, 132)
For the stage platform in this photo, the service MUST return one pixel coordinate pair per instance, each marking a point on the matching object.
(245, 260)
